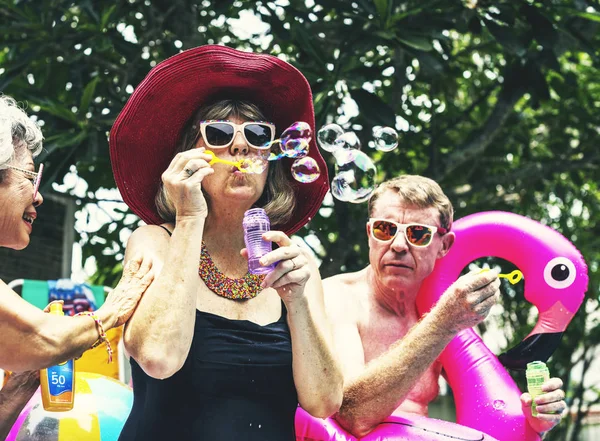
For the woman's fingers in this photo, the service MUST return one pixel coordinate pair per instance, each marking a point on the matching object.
(195, 170)
(280, 254)
(291, 262)
(185, 164)
(291, 265)
(182, 182)
(292, 277)
(279, 237)
(180, 159)
(138, 271)
(178, 162)
(132, 266)
(145, 275)
(286, 272)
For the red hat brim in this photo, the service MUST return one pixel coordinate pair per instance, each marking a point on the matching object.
(144, 136)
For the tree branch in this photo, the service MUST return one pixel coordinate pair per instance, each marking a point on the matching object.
(534, 171)
(483, 137)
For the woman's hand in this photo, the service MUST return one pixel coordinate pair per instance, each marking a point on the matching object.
(183, 179)
(122, 301)
(291, 271)
(550, 406)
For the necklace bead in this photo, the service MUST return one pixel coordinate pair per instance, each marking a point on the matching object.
(245, 288)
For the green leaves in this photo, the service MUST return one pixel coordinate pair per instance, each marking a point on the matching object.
(88, 94)
(507, 38)
(592, 16)
(416, 42)
(543, 29)
(375, 110)
(106, 16)
(383, 9)
(58, 110)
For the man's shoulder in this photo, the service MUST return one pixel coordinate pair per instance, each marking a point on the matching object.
(346, 283)
(344, 295)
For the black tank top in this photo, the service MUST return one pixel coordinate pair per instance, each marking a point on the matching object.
(236, 384)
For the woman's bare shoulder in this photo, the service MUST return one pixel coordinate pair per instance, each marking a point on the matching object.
(148, 238)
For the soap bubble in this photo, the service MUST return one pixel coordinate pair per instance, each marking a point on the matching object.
(295, 140)
(347, 141)
(327, 135)
(275, 156)
(254, 165)
(386, 139)
(299, 129)
(354, 179)
(305, 170)
(295, 147)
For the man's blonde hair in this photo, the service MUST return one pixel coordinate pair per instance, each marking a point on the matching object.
(278, 198)
(419, 191)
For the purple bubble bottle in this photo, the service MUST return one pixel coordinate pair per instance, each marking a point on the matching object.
(255, 223)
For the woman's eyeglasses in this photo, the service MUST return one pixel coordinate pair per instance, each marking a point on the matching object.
(418, 235)
(34, 177)
(220, 134)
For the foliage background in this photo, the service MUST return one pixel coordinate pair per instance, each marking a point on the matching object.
(499, 101)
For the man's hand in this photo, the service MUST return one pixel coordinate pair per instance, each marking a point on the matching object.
(550, 406)
(468, 301)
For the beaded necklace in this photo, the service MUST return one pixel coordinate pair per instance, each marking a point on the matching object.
(247, 287)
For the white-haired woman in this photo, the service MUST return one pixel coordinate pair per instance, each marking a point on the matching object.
(31, 340)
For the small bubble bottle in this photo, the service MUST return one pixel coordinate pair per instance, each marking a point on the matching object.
(255, 223)
(537, 374)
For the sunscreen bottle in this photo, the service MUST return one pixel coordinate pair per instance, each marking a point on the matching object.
(4, 378)
(537, 374)
(58, 382)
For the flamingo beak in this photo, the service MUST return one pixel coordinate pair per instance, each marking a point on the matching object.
(535, 347)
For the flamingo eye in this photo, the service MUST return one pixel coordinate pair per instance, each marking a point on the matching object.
(560, 273)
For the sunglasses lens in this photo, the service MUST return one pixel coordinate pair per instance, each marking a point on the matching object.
(419, 235)
(258, 135)
(38, 180)
(383, 230)
(218, 134)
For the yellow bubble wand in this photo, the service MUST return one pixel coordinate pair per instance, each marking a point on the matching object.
(247, 165)
(514, 277)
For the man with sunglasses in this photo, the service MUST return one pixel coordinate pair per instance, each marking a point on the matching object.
(388, 352)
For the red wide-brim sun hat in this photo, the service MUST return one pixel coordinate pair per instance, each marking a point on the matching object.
(144, 136)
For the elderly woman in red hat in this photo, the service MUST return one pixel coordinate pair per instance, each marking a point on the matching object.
(31, 340)
(219, 353)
